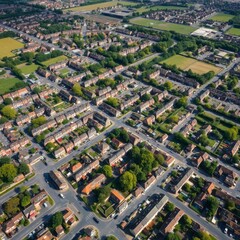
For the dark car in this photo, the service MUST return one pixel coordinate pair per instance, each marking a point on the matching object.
(95, 220)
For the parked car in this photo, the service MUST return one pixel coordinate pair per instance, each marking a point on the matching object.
(95, 220)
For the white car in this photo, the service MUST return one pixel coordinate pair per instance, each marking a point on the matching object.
(61, 195)
(225, 230)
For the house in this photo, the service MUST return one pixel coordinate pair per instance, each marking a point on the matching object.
(181, 180)
(116, 143)
(229, 177)
(30, 212)
(45, 234)
(145, 217)
(68, 216)
(95, 183)
(171, 221)
(149, 120)
(163, 138)
(169, 161)
(59, 231)
(102, 147)
(10, 226)
(235, 148)
(116, 196)
(58, 180)
(138, 191)
(39, 199)
(149, 182)
(59, 153)
(74, 168)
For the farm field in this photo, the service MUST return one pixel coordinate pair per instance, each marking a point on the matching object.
(9, 44)
(54, 60)
(222, 17)
(99, 5)
(7, 83)
(234, 31)
(146, 9)
(28, 69)
(184, 29)
(196, 66)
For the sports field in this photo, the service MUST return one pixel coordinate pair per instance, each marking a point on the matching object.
(7, 45)
(222, 17)
(54, 60)
(7, 83)
(28, 69)
(234, 31)
(186, 63)
(179, 28)
(146, 9)
(99, 6)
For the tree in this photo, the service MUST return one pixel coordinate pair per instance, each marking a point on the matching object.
(11, 206)
(103, 193)
(111, 238)
(128, 181)
(173, 236)
(23, 168)
(168, 85)
(38, 121)
(113, 102)
(203, 139)
(169, 207)
(231, 133)
(187, 187)
(211, 206)
(159, 158)
(7, 101)
(173, 119)
(4, 160)
(230, 205)
(182, 102)
(174, 173)
(146, 97)
(56, 220)
(35, 188)
(107, 171)
(25, 201)
(36, 90)
(9, 112)
(77, 89)
(8, 172)
(186, 220)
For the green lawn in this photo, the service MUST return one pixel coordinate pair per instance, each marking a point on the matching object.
(222, 17)
(28, 69)
(7, 83)
(54, 60)
(179, 28)
(186, 63)
(146, 9)
(7, 45)
(234, 31)
(92, 7)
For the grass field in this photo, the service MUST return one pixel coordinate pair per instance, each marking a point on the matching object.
(186, 63)
(7, 46)
(54, 60)
(146, 9)
(163, 25)
(234, 31)
(7, 83)
(99, 5)
(28, 69)
(222, 17)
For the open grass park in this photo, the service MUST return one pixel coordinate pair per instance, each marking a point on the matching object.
(28, 68)
(186, 63)
(234, 31)
(7, 83)
(54, 60)
(99, 6)
(179, 28)
(7, 46)
(154, 8)
(222, 17)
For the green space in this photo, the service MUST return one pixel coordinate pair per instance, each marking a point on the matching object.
(184, 29)
(186, 63)
(146, 9)
(8, 45)
(100, 5)
(222, 17)
(234, 31)
(28, 69)
(54, 60)
(7, 83)
(64, 71)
